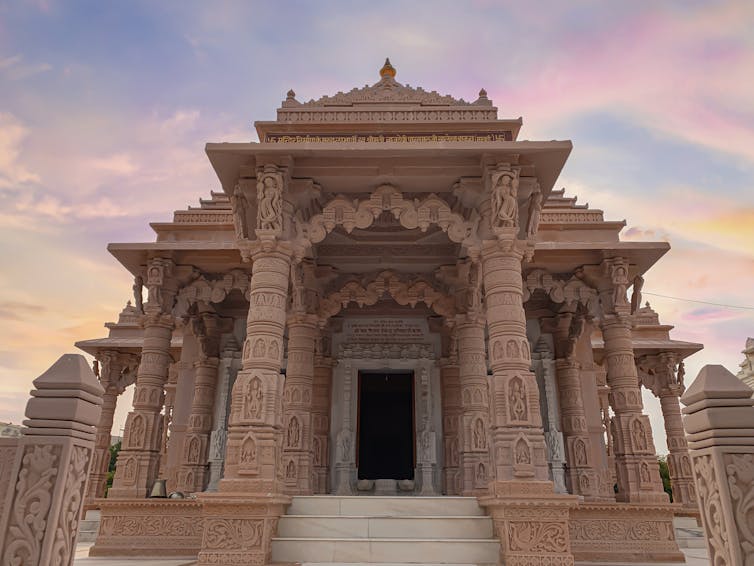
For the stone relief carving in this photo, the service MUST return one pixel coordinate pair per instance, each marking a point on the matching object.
(68, 519)
(253, 398)
(387, 351)
(31, 505)
(638, 435)
(293, 436)
(517, 400)
(535, 536)
(522, 452)
(504, 196)
(479, 435)
(269, 199)
(636, 294)
(579, 452)
(740, 471)
(210, 290)
(713, 511)
(237, 534)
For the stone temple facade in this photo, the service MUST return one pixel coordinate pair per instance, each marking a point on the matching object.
(389, 298)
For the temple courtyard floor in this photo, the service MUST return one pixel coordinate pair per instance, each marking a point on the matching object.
(694, 557)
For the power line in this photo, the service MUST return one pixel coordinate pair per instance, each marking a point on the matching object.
(700, 302)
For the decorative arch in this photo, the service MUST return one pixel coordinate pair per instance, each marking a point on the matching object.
(411, 213)
(404, 293)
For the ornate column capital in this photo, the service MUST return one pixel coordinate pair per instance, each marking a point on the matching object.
(662, 373)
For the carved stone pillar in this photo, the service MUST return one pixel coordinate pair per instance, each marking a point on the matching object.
(139, 458)
(112, 366)
(219, 435)
(583, 477)
(538, 534)
(473, 442)
(636, 466)
(323, 366)
(603, 397)
(658, 373)
(556, 459)
(298, 456)
(451, 417)
(167, 418)
(241, 518)
(193, 469)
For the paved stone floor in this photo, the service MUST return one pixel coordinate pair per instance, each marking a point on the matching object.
(694, 557)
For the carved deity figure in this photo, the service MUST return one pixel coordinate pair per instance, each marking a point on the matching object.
(290, 470)
(344, 446)
(253, 399)
(481, 474)
(620, 284)
(248, 451)
(480, 438)
(523, 454)
(218, 447)
(505, 201)
(517, 400)
(681, 373)
(579, 452)
(138, 294)
(644, 473)
(193, 455)
(269, 202)
(574, 333)
(638, 435)
(636, 294)
(239, 206)
(293, 432)
(135, 439)
(535, 211)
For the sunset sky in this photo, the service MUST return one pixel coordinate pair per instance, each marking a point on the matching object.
(105, 108)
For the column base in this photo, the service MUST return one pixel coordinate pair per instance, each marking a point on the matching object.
(238, 527)
(531, 521)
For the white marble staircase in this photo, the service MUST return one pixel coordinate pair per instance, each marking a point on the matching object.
(385, 530)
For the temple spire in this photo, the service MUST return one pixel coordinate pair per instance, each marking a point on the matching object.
(387, 70)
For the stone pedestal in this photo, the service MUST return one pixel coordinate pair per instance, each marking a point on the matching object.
(719, 422)
(41, 509)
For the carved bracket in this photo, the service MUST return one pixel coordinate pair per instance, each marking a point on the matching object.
(460, 225)
(209, 291)
(404, 293)
(570, 292)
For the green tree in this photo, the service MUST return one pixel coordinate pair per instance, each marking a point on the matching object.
(665, 475)
(114, 449)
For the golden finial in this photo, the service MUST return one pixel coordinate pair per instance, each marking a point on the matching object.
(387, 70)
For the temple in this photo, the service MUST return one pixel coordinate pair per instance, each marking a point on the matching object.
(389, 334)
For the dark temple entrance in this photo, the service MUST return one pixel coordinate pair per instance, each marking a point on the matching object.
(386, 425)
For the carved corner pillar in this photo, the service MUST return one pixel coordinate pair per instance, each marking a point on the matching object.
(241, 518)
(530, 519)
(321, 395)
(298, 433)
(167, 419)
(139, 458)
(113, 365)
(583, 476)
(636, 466)
(207, 328)
(659, 375)
(46, 481)
(719, 421)
(452, 411)
(473, 441)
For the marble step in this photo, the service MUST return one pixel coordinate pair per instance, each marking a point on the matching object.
(690, 538)
(385, 550)
(311, 526)
(88, 527)
(376, 506)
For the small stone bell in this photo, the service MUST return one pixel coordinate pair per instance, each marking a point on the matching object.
(159, 489)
